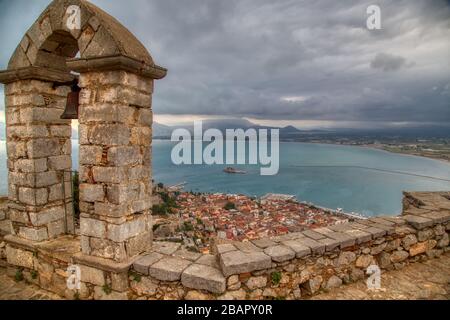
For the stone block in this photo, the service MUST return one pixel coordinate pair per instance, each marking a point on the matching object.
(33, 234)
(418, 222)
(280, 253)
(167, 248)
(44, 217)
(317, 247)
(208, 260)
(109, 134)
(92, 192)
(299, 249)
(92, 228)
(124, 155)
(237, 262)
(139, 244)
(90, 155)
(202, 277)
(92, 275)
(60, 162)
(224, 248)
(56, 228)
(313, 235)
(141, 136)
(168, 269)
(123, 193)
(361, 236)
(142, 264)
(263, 243)
(45, 179)
(34, 197)
(41, 148)
(31, 165)
(110, 174)
(19, 257)
(111, 210)
(127, 230)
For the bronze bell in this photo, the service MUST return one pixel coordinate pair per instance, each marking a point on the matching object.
(71, 111)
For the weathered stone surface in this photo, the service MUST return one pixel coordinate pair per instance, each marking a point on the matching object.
(345, 258)
(246, 246)
(256, 282)
(168, 269)
(361, 236)
(194, 295)
(33, 234)
(144, 287)
(317, 247)
(92, 227)
(384, 260)
(444, 242)
(208, 260)
(92, 275)
(313, 235)
(19, 257)
(126, 230)
(422, 247)
(226, 247)
(312, 285)
(280, 253)
(299, 249)
(237, 262)
(364, 261)
(408, 241)
(399, 256)
(188, 255)
(202, 277)
(424, 235)
(333, 282)
(263, 243)
(418, 222)
(142, 264)
(165, 247)
(91, 192)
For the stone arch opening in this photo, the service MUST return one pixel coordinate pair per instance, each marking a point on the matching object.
(116, 74)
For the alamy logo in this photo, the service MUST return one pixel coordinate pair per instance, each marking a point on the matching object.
(374, 19)
(74, 278)
(374, 281)
(213, 153)
(73, 14)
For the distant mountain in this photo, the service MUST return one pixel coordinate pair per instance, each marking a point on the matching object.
(161, 131)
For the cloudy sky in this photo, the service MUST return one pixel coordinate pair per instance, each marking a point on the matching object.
(307, 63)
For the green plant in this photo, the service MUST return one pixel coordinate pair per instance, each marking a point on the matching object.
(230, 206)
(34, 274)
(276, 277)
(19, 275)
(136, 276)
(107, 289)
(76, 194)
(76, 296)
(160, 185)
(187, 226)
(199, 221)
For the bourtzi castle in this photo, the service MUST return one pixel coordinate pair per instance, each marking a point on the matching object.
(113, 256)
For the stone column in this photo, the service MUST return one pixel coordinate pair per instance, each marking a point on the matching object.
(39, 149)
(115, 164)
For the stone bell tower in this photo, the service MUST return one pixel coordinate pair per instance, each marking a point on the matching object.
(116, 76)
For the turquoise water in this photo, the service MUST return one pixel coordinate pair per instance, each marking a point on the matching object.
(327, 175)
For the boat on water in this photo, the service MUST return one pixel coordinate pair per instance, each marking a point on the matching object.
(231, 170)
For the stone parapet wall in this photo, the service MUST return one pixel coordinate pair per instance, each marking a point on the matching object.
(292, 266)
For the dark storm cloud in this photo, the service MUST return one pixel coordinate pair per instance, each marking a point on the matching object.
(287, 59)
(387, 62)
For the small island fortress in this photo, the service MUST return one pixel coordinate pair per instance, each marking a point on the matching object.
(113, 256)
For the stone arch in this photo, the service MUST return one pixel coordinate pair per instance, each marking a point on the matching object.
(116, 75)
(49, 41)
